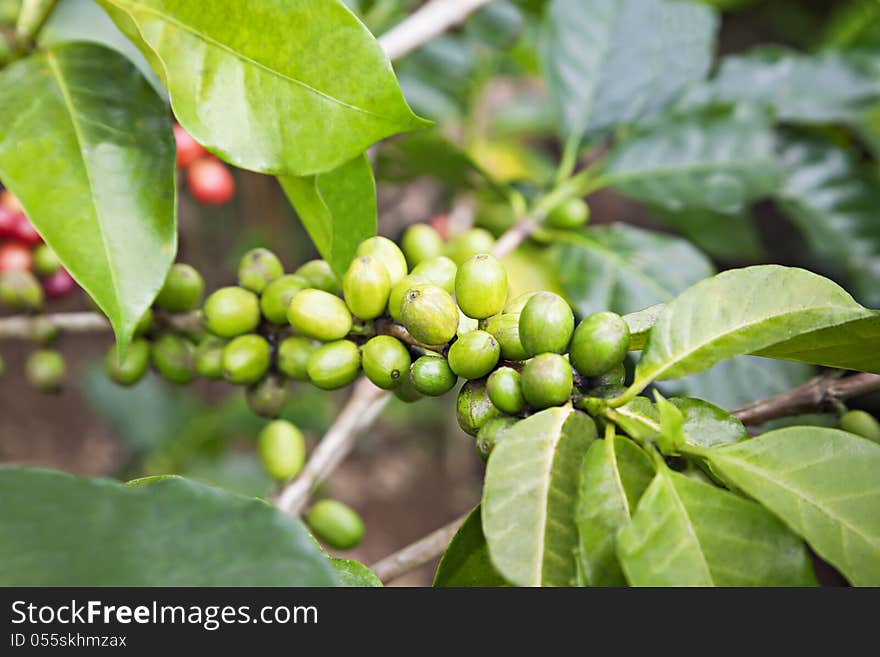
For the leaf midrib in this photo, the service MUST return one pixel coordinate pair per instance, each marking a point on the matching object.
(543, 512)
(690, 525)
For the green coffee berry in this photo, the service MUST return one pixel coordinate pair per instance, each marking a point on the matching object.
(432, 376)
(429, 313)
(366, 287)
(546, 381)
(174, 359)
(319, 275)
(182, 290)
(257, 268)
(267, 397)
(491, 434)
(599, 344)
(395, 298)
(232, 311)
(515, 307)
(474, 355)
(282, 450)
(439, 271)
(145, 324)
(336, 524)
(406, 391)
(505, 329)
(21, 290)
(293, 357)
(130, 369)
(609, 391)
(43, 330)
(334, 365)
(469, 243)
(569, 215)
(246, 359)
(385, 361)
(277, 296)
(320, 315)
(466, 324)
(45, 370)
(209, 358)
(46, 261)
(862, 424)
(546, 324)
(388, 253)
(421, 242)
(616, 376)
(473, 407)
(505, 390)
(481, 286)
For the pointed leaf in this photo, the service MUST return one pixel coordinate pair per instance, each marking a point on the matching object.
(640, 324)
(354, 574)
(639, 418)
(466, 561)
(707, 425)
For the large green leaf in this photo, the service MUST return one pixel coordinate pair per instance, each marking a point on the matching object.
(466, 561)
(290, 87)
(337, 208)
(354, 574)
(529, 497)
(615, 474)
(624, 269)
(712, 158)
(610, 62)
(824, 483)
(726, 237)
(688, 533)
(86, 145)
(58, 530)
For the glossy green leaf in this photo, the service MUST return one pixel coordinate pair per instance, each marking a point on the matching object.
(529, 497)
(639, 419)
(59, 530)
(615, 474)
(640, 324)
(103, 193)
(689, 533)
(337, 208)
(726, 237)
(671, 434)
(713, 158)
(289, 87)
(466, 562)
(354, 574)
(707, 425)
(610, 62)
(624, 269)
(824, 483)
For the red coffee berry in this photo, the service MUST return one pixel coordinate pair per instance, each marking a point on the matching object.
(24, 231)
(210, 182)
(58, 284)
(15, 256)
(441, 223)
(188, 149)
(10, 202)
(8, 222)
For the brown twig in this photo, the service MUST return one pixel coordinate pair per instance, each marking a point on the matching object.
(430, 21)
(416, 554)
(26, 327)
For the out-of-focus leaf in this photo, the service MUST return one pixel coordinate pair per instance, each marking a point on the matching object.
(727, 237)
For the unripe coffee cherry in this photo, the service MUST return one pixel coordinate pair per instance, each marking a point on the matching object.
(469, 243)
(320, 315)
(209, 358)
(188, 149)
(20, 290)
(505, 329)
(335, 524)
(232, 311)
(145, 323)
(388, 253)
(395, 298)
(406, 391)
(546, 324)
(546, 381)
(385, 361)
(473, 407)
(491, 434)
(46, 261)
(182, 290)
(246, 359)
(15, 256)
(862, 424)
(43, 330)
(505, 390)
(319, 275)
(257, 268)
(131, 369)
(293, 357)
(474, 355)
(267, 397)
(569, 215)
(421, 242)
(58, 284)
(515, 307)
(616, 376)
(439, 271)
(599, 344)
(481, 286)
(366, 287)
(210, 182)
(334, 365)
(432, 376)
(429, 313)
(277, 296)
(45, 370)
(174, 358)
(282, 450)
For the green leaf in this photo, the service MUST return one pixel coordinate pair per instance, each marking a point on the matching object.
(726, 237)
(823, 483)
(712, 158)
(337, 208)
(289, 87)
(671, 434)
(640, 324)
(707, 425)
(103, 193)
(688, 533)
(466, 561)
(354, 574)
(529, 497)
(58, 530)
(639, 418)
(611, 62)
(615, 475)
(738, 312)
(622, 268)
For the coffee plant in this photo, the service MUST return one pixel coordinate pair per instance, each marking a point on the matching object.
(639, 412)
